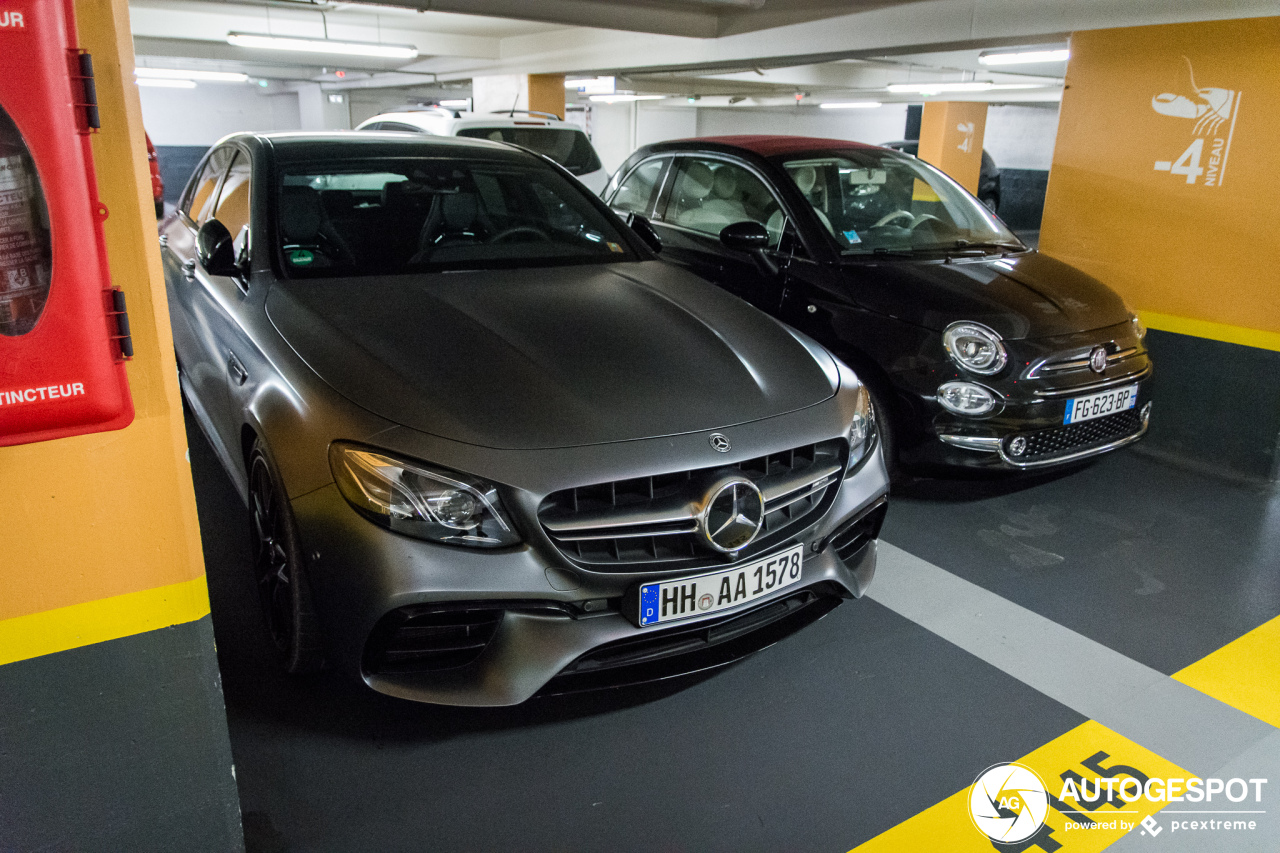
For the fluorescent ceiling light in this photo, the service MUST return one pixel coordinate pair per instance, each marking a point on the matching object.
(850, 105)
(456, 103)
(314, 45)
(167, 84)
(929, 88)
(592, 85)
(1023, 57)
(974, 86)
(609, 99)
(176, 74)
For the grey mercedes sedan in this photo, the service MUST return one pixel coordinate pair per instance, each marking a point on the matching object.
(490, 446)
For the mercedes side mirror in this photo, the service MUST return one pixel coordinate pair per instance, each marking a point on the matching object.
(216, 249)
(645, 231)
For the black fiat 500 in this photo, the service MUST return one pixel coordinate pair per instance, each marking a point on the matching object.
(980, 352)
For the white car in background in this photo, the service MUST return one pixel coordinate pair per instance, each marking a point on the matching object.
(541, 132)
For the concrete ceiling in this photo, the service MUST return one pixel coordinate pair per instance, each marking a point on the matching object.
(693, 18)
(766, 50)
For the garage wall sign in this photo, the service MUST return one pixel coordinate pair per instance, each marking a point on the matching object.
(1210, 114)
(1165, 169)
(951, 135)
(64, 335)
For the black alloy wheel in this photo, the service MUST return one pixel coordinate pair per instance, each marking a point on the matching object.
(278, 568)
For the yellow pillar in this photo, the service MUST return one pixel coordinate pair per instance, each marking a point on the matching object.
(546, 93)
(951, 138)
(1163, 187)
(101, 536)
(1165, 172)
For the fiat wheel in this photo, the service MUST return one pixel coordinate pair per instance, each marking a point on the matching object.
(278, 568)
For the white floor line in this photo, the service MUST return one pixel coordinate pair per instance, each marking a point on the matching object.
(1195, 731)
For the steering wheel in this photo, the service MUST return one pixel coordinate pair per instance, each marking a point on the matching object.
(921, 219)
(519, 229)
(897, 214)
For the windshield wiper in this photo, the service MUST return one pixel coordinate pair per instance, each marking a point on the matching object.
(1006, 245)
(885, 251)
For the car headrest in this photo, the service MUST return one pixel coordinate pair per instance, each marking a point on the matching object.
(459, 211)
(726, 183)
(805, 177)
(300, 214)
(338, 203)
(697, 181)
(393, 195)
(777, 221)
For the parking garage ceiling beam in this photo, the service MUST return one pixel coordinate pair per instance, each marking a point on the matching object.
(904, 28)
(456, 47)
(693, 19)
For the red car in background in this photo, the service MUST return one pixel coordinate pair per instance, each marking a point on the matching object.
(157, 183)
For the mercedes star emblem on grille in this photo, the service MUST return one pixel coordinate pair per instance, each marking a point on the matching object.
(720, 442)
(1098, 360)
(732, 514)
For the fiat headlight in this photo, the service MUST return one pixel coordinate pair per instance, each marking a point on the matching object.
(975, 347)
(965, 398)
(862, 431)
(422, 502)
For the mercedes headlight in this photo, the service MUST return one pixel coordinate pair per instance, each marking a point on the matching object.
(413, 499)
(975, 347)
(1138, 328)
(862, 431)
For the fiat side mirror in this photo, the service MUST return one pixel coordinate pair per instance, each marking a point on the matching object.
(645, 232)
(216, 249)
(745, 236)
(750, 237)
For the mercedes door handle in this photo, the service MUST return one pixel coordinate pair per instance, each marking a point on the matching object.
(238, 374)
(189, 269)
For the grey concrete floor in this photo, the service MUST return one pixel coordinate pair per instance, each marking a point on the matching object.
(816, 744)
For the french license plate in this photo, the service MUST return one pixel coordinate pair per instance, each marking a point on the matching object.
(1100, 404)
(671, 601)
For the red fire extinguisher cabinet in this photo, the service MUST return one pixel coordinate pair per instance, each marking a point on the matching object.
(63, 331)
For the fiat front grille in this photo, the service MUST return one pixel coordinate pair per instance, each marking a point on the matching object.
(1048, 445)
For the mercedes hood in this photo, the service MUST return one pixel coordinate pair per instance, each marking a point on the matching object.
(550, 357)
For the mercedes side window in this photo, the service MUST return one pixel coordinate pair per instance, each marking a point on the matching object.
(635, 194)
(709, 194)
(199, 203)
(233, 202)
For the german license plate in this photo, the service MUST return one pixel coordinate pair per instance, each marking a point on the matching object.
(1100, 404)
(671, 601)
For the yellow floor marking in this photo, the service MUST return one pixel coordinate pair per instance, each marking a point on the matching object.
(1244, 673)
(1260, 338)
(63, 628)
(947, 825)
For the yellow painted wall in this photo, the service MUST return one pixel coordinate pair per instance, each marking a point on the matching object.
(1192, 250)
(546, 93)
(951, 138)
(101, 518)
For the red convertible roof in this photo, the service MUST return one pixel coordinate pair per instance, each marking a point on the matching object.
(770, 146)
